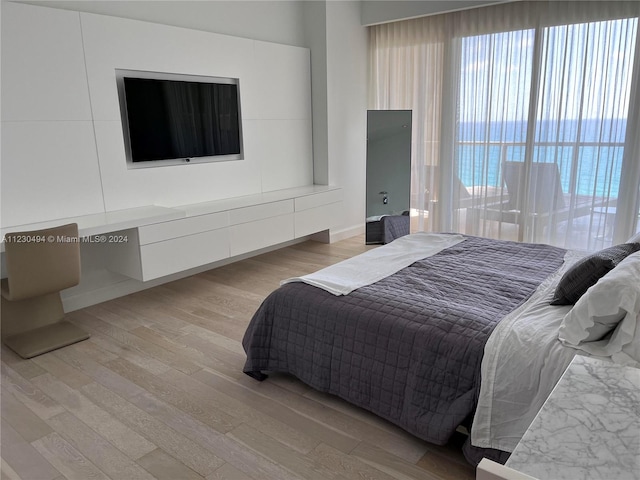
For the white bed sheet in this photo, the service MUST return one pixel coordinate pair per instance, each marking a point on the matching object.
(523, 360)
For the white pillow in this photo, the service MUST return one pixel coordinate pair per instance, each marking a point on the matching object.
(612, 305)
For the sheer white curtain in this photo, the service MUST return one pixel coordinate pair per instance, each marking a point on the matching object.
(525, 118)
(407, 60)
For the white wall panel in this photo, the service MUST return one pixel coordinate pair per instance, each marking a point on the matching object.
(74, 57)
(271, 20)
(49, 171)
(167, 186)
(275, 157)
(43, 75)
(112, 43)
(49, 163)
(284, 152)
(280, 84)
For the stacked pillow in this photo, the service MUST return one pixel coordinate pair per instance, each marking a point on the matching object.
(586, 272)
(605, 319)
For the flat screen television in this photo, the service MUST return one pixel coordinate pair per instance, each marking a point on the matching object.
(172, 119)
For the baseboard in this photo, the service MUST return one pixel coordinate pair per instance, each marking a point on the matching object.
(344, 233)
(128, 286)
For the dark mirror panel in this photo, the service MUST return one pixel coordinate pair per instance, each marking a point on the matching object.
(388, 174)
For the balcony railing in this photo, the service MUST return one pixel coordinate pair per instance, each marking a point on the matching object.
(589, 176)
(586, 168)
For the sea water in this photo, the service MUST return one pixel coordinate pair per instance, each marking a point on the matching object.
(588, 152)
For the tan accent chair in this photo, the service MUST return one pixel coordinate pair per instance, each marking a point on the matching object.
(39, 264)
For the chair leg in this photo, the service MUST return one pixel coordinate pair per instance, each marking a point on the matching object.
(36, 326)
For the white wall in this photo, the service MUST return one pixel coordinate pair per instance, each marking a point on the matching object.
(54, 167)
(383, 11)
(49, 161)
(347, 109)
(278, 21)
(315, 20)
(276, 111)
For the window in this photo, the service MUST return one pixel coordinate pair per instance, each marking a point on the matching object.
(527, 119)
(565, 171)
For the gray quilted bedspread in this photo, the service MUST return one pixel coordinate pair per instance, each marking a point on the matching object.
(408, 347)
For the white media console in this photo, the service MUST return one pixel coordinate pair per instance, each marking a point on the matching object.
(147, 243)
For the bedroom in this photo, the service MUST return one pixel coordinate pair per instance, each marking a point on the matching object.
(338, 98)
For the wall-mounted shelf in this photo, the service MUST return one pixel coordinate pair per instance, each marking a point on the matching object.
(102, 223)
(153, 241)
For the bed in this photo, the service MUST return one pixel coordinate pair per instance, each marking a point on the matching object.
(409, 345)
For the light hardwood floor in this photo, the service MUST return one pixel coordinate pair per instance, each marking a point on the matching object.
(158, 392)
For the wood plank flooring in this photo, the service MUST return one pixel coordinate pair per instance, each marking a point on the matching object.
(158, 392)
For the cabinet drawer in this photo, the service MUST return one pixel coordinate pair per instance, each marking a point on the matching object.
(258, 212)
(182, 227)
(179, 254)
(247, 237)
(318, 199)
(315, 220)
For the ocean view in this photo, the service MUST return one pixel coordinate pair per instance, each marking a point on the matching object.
(596, 146)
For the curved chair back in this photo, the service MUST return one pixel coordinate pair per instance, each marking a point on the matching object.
(545, 178)
(40, 262)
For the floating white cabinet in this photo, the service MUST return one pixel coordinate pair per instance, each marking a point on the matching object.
(182, 227)
(317, 200)
(176, 255)
(316, 219)
(314, 213)
(258, 234)
(174, 246)
(216, 231)
(260, 226)
(259, 212)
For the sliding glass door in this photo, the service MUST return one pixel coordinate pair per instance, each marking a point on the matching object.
(543, 122)
(526, 119)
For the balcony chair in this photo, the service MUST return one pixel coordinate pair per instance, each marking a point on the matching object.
(39, 265)
(460, 198)
(544, 199)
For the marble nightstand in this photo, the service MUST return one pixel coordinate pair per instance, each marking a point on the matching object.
(589, 427)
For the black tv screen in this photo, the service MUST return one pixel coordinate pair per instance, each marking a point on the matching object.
(181, 120)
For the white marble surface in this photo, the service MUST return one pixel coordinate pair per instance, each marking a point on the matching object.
(589, 427)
